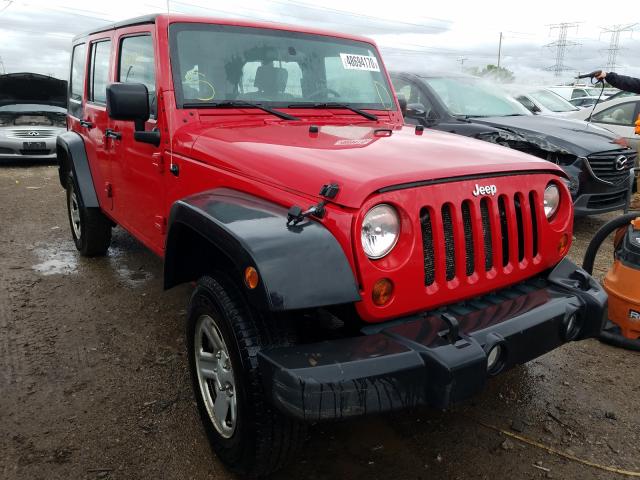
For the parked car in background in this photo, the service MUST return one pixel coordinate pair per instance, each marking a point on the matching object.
(32, 114)
(541, 101)
(570, 92)
(620, 94)
(584, 102)
(598, 163)
(618, 115)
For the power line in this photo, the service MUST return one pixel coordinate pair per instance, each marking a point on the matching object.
(8, 4)
(614, 42)
(561, 45)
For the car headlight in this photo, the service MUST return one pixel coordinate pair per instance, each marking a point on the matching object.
(380, 230)
(551, 199)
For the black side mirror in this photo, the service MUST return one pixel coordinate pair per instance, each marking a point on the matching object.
(403, 104)
(130, 101)
(417, 111)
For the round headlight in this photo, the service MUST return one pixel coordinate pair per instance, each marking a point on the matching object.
(551, 199)
(380, 229)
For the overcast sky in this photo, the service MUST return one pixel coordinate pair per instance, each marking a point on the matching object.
(35, 35)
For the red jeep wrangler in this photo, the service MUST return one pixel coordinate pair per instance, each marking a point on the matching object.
(344, 264)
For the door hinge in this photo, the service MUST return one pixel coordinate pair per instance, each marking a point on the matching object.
(158, 161)
(108, 189)
(161, 224)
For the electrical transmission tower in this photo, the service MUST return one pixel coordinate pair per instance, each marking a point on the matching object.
(614, 43)
(561, 45)
(461, 61)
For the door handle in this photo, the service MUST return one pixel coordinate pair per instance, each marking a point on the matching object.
(86, 124)
(112, 134)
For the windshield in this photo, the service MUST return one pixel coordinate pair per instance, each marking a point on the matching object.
(552, 101)
(218, 63)
(474, 98)
(31, 107)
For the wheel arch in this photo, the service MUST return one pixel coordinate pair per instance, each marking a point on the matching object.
(72, 159)
(299, 267)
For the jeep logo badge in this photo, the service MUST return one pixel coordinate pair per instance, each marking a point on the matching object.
(634, 315)
(621, 162)
(485, 190)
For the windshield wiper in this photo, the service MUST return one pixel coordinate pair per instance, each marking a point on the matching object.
(241, 104)
(367, 115)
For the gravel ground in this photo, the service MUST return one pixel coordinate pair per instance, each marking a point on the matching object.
(94, 382)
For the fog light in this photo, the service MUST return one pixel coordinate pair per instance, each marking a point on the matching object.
(251, 278)
(382, 292)
(494, 359)
(571, 326)
(563, 244)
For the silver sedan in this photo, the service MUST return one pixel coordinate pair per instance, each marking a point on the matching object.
(29, 131)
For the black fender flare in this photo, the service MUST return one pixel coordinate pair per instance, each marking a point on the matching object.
(72, 156)
(299, 267)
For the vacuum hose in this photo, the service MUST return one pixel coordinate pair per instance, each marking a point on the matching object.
(601, 235)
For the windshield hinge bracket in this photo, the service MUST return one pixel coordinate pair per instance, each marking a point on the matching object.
(295, 215)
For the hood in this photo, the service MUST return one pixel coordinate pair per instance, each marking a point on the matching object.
(556, 134)
(32, 88)
(360, 159)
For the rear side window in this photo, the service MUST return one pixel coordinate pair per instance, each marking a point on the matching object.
(100, 53)
(137, 65)
(622, 114)
(77, 71)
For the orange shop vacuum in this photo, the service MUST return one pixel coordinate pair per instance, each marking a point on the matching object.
(622, 281)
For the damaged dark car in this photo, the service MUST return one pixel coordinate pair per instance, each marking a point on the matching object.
(32, 115)
(598, 163)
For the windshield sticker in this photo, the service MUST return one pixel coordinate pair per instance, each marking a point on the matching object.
(191, 78)
(359, 62)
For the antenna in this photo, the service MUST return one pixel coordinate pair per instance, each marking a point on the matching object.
(561, 45)
(614, 43)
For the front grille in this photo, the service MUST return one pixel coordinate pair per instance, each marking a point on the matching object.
(509, 227)
(606, 166)
(35, 152)
(31, 134)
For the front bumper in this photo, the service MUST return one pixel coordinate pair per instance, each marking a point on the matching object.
(436, 358)
(592, 196)
(12, 149)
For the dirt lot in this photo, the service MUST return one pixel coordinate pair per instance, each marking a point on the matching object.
(94, 382)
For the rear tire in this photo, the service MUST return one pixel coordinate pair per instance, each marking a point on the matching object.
(90, 228)
(249, 436)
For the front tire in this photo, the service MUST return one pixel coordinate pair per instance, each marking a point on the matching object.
(223, 338)
(90, 228)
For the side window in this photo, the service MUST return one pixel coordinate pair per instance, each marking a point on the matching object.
(578, 92)
(137, 65)
(622, 114)
(412, 94)
(528, 103)
(78, 62)
(100, 53)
